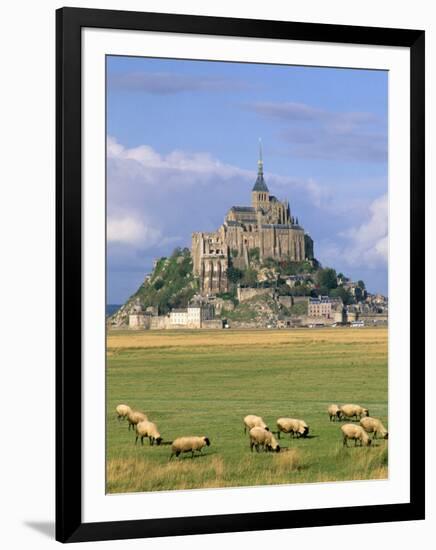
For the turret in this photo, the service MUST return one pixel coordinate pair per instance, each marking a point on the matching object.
(260, 192)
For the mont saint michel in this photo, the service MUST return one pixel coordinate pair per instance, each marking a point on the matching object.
(266, 228)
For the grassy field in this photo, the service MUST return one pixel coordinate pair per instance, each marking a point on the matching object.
(205, 382)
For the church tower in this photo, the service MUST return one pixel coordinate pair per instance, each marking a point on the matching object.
(260, 192)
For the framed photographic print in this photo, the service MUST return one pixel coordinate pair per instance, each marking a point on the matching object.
(240, 240)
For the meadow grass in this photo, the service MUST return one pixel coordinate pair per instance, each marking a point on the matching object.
(205, 382)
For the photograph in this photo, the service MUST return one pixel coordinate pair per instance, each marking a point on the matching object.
(247, 299)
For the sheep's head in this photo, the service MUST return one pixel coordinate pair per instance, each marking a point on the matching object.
(369, 442)
(207, 441)
(386, 436)
(305, 431)
(158, 440)
(277, 449)
(365, 412)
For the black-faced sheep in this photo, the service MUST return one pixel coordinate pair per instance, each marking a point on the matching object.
(351, 431)
(253, 421)
(259, 437)
(350, 411)
(122, 411)
(292, 426)
(188, 444)
(134, 417)
(374, 426)
(148, 429)
(334, 412)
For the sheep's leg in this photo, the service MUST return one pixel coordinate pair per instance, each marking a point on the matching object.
(142, 440)
(251, 446)
(278, 434)
(136, 440)
(345, 442)
(192, 453)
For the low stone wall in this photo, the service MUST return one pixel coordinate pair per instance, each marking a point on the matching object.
(138, 321)
(372, 318)
(300, 299)
(212, 324)
(306, 320)
(160, 322)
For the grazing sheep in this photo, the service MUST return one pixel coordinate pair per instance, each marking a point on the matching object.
(123, 411)
(351, 431)
(353, 411)
(334, 412)
(134, 417)
(186, 444)
(147, 429)
(259, 437)
(374, 426)
(292, 426)
(253, 421)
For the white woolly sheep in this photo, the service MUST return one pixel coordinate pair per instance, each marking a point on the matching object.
(351, 431)
(350, 411)
(374, 426)
(292, 426)
(253, 421)
(188, 444)
(334, 412)
(148, 429)
(134, 417)
(122, 411)
(259, 437)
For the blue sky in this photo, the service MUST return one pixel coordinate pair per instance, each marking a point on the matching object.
(183, 145)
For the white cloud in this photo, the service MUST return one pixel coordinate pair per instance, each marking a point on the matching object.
(178, 161)
(369, 241)
(130, 231)
(365, 245)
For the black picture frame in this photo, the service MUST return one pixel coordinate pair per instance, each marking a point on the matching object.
(69, 23)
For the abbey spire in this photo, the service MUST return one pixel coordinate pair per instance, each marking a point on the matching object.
(260, 192)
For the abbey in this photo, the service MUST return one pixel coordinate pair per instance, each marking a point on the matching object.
(266, 229)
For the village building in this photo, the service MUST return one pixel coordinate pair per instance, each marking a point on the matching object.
(193, 316)
(324, 306)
